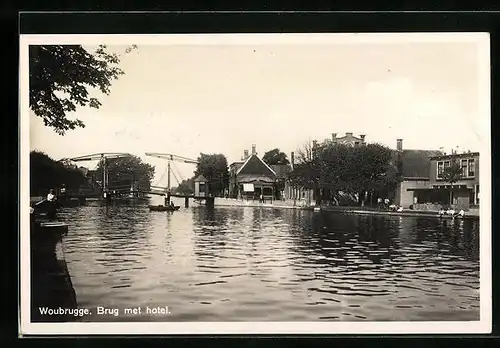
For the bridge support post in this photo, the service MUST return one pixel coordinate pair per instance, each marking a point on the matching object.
(186, 202)
(210, 202)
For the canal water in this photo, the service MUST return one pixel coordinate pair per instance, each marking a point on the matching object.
(266, 264)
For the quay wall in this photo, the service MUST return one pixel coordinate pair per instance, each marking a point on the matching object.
(51, 284)
(289, 204)
(231, 202)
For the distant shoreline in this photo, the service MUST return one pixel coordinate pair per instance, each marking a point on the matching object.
(341, 209)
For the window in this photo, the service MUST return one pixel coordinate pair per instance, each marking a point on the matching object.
(463, 164)
(440, 170)
(472, 171)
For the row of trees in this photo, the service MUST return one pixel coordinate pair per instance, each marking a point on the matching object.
(46, 173)
(352, 170)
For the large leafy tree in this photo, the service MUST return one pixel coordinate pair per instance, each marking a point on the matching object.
(352, 170)
(275, 156)
(215, 169)
(46, 173)
(60, 77)
(130, 170)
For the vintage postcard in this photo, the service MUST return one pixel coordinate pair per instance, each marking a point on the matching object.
(255, 184)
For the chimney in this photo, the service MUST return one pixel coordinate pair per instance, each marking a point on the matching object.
(245, 154)
(348, 134)
(253, 150)
(292, 159)
(334, 137)
(399, 144)
(362, 136)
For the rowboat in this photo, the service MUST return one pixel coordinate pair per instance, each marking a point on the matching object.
(163, 208)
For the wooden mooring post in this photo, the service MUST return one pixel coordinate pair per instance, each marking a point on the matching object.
(186, 202)
(210, 202)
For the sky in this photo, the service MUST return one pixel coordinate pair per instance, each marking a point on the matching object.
(187, 98)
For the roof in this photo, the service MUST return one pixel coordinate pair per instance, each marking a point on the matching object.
(416, 163)
(281, 169)
(249, 178)
(254, 165)
(459, 155)
(200, 178)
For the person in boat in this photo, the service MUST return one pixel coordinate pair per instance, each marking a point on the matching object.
(51, 197)
(51, 209)
(386, 203)
(441, 212)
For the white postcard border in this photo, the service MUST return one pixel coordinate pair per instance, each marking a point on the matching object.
(176, 328)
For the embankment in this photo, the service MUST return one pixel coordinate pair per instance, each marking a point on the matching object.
(289, 204)
(51, 285)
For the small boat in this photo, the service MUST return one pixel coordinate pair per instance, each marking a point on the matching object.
(163, 208)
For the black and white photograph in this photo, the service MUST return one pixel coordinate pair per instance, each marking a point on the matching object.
(255, 183)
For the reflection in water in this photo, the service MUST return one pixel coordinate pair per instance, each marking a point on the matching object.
(258, 264)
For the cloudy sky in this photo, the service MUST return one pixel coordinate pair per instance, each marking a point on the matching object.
(220, 97)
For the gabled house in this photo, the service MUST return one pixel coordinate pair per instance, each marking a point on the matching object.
(251, 177)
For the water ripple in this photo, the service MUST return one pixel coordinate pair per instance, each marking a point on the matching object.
(257, 264)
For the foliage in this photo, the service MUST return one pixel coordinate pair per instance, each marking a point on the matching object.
(349, 169)
(453, 173)
(305, 153)
(305, 172)
(60, 76)
(185, 187)
(215, 169)
(275, 156)
(128, 170)
(45, 173)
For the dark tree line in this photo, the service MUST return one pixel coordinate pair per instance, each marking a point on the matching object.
(46, 173)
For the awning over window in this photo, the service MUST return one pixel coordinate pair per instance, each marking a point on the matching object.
(248, 188)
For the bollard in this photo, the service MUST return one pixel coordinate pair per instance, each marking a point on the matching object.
(186, 202)
(210, 202)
